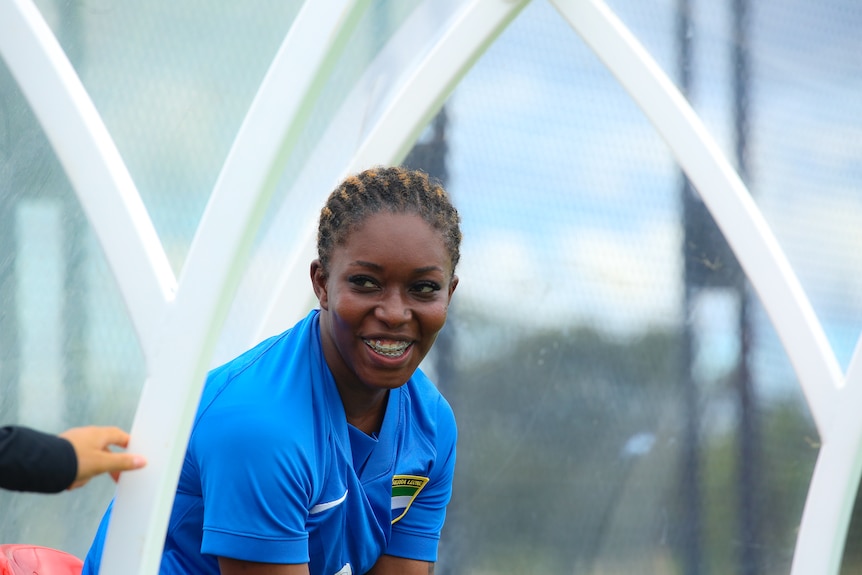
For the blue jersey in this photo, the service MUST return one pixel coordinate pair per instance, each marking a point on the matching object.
(273, 472)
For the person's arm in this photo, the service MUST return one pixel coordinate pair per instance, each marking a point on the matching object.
(92, 449)
(31, 460)
(236, 567)
(390, 565)
(40, 462)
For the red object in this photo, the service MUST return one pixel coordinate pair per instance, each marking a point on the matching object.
(34, 560)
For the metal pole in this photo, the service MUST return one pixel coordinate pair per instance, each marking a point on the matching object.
(690, 532)
(748, 421)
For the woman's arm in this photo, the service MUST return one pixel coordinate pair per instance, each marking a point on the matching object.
(236, 567)
(390, 565)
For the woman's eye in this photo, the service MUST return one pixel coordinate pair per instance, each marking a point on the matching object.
(362, 281)
(427, 288)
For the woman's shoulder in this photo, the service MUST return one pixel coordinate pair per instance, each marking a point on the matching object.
(283, 350)
(426, 403)
(423, 388)
(263, 372)
(263, 389)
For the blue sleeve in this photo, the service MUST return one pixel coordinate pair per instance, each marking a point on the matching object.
(255, 477)
(417, 534)
(94, 556)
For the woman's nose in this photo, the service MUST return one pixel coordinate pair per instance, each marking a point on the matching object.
(393, 309)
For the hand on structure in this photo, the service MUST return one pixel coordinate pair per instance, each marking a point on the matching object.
(92, 445)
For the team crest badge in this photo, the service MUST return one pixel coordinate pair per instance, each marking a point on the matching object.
(405, 488)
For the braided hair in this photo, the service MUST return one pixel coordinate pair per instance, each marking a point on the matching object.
(394, 190)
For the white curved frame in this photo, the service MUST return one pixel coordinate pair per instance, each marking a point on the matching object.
(160, 308)
(93, 165)
(832, 491)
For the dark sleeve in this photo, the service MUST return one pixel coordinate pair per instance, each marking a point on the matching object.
(34, 461)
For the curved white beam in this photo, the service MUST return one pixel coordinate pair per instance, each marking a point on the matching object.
(419, 96)
(169, 400)
(92, 164)
(475, 27)
(833, 488)
(834, 485)
(726, 197)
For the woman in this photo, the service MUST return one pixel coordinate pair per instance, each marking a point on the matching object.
(325, 450)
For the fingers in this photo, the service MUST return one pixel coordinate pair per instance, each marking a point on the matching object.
(114, 463)
(97, 461)
(96, 437)
(92, 445)
(113, 436)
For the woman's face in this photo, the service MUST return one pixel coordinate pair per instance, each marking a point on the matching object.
(383, 301)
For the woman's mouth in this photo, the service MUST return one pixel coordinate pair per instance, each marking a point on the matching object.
(388, 348)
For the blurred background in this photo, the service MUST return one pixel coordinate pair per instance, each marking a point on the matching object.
(624, 404)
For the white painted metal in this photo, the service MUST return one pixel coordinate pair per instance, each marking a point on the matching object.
(833, 488)
(169, 399)
(92, 164)
(419, 96)
(832, 493)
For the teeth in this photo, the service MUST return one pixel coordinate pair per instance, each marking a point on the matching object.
(388, 349)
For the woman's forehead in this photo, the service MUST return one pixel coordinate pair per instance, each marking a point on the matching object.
(389, 223)
(402, 236)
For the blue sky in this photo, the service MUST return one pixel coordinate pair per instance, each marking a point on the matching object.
(563, 182)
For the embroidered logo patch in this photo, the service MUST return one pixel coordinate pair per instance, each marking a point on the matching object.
(405, 488)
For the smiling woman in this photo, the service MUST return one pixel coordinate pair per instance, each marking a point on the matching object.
(383, 300)
(388, 246)
(325, 449)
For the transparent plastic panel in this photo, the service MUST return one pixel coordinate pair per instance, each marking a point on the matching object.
(607, 421)
(800, 116)
(172, 82)
(69, 354)
(807, 118)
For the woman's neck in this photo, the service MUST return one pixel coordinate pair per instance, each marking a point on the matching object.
(364, 411)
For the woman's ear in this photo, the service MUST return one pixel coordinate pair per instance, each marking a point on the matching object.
(318, 283)
(453, 283)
